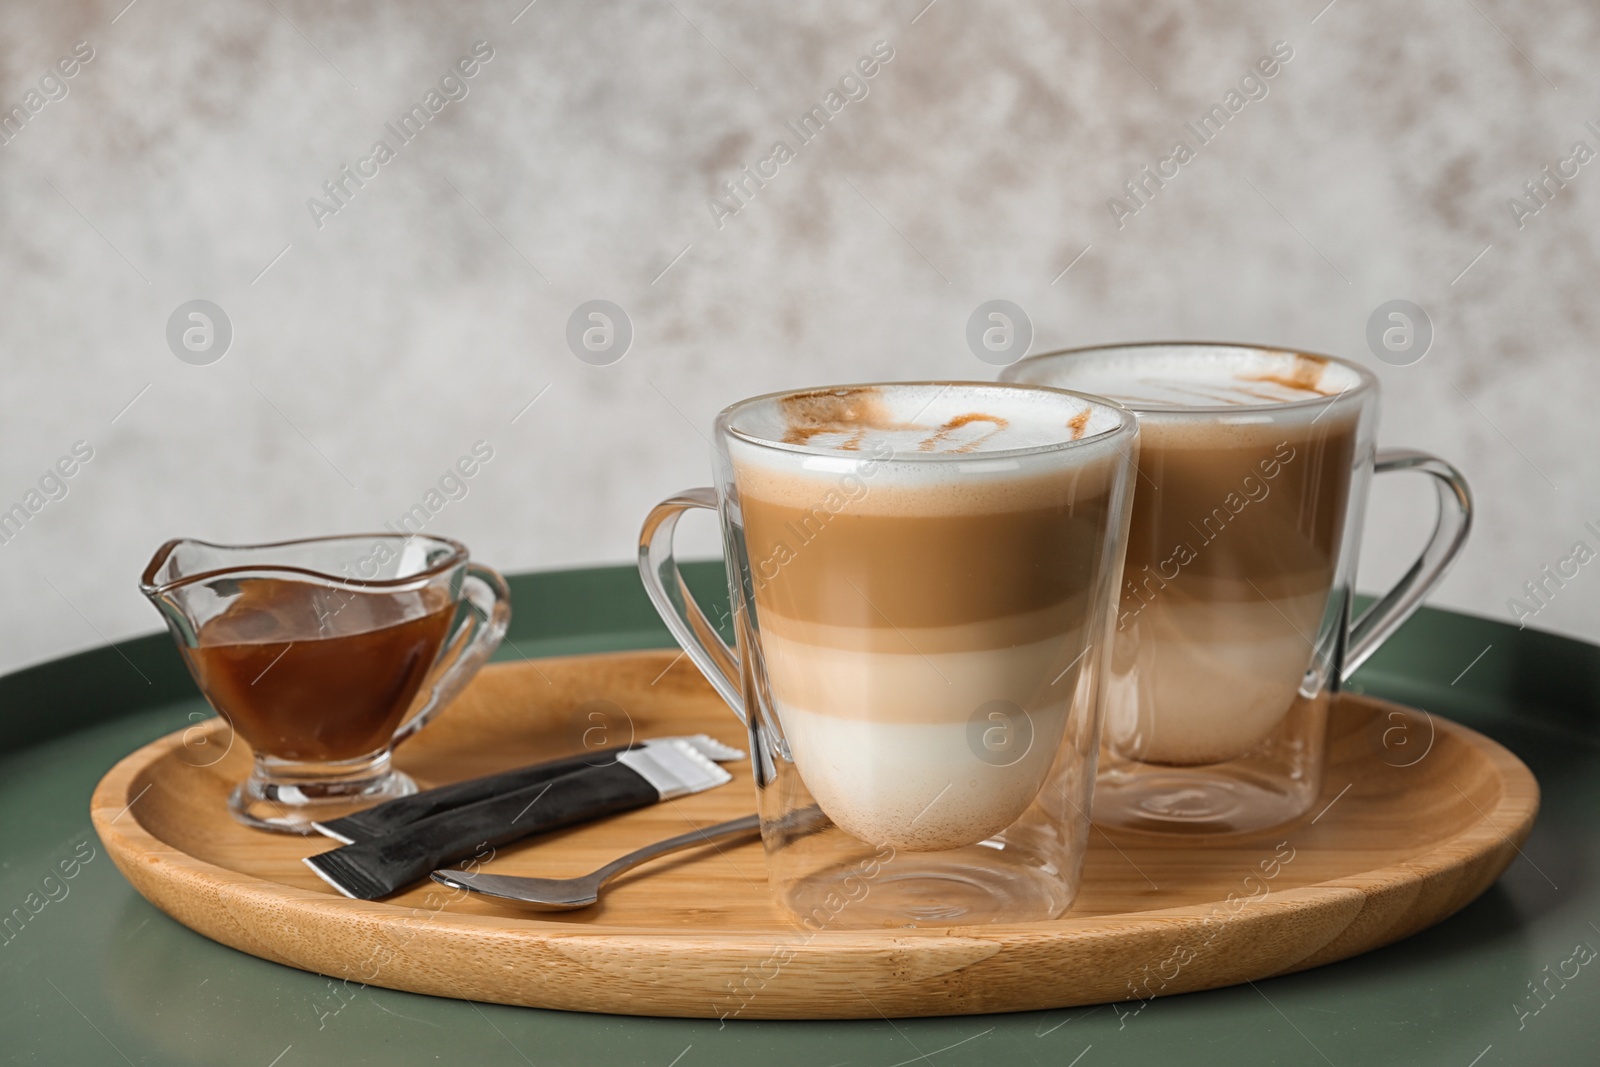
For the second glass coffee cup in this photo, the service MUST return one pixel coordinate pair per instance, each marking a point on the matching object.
(921, 576)
(1234, 630)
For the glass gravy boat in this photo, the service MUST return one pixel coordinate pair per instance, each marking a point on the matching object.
(324, 654)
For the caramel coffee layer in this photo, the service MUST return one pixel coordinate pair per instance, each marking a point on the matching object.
(853, 568)
(1241, 512)
(936, 571)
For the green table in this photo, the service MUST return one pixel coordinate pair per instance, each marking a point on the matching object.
(91, 974)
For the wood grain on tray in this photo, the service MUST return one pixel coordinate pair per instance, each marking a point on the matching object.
(1401, 847)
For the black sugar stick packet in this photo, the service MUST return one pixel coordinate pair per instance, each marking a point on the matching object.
(657, 770)
(391, 815)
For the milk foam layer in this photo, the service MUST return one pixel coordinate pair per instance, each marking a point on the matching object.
(1158, 378)
(922, 420)
(922, 449)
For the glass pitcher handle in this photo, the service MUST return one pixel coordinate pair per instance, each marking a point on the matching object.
(476, 635)
(668, 592)
(1450, 530)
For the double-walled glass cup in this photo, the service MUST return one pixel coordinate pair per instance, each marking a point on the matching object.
(1234, 629)
(921, 577)
(324, 654)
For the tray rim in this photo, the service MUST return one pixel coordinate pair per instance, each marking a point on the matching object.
(1481, 849)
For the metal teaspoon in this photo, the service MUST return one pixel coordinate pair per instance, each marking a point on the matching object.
(567, 894)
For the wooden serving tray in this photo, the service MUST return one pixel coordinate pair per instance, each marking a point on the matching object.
(1393, 846)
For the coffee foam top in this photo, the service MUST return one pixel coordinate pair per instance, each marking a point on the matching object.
(922, 421)
(1161, 378)
(924, 448)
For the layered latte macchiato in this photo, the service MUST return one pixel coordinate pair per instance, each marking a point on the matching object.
(898, 600)
(922, 577)
(1237, 525)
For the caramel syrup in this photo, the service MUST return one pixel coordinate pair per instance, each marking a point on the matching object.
(336, 694)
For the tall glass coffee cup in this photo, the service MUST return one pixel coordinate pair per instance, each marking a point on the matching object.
(1234, 630)
(921, 577)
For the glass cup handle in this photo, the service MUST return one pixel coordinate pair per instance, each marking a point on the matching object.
(659, 571)
(1450, 529)
(476, 635)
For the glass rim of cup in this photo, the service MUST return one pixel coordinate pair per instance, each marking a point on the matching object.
(457, 555)
(1127, 421)
(1366, 381)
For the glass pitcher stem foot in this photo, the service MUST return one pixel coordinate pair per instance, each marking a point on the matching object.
(289, 807)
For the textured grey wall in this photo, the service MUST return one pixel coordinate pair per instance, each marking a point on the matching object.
(374, 345)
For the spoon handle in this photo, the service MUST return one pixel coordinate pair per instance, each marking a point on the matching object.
(745, 827)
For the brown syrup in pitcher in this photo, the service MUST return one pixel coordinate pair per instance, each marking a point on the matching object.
(304, 672)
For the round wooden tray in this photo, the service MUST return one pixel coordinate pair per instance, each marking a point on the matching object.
(1404, 835)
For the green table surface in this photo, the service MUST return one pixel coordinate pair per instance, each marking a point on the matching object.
(92, 974)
